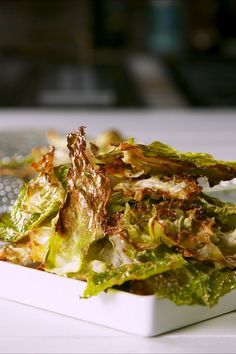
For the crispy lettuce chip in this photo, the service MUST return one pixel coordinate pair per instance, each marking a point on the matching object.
(32, 250)
(125, 215)
(162, 160)
(109, 276)
(177, 225)
(81, 219)
(39, 200)
(224, 213)
(193, 283)
(176, 188)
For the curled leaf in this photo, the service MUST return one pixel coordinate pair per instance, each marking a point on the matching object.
(39, 199)
(81, 219)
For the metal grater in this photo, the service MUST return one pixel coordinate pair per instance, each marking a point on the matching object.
(17, 145)
(9, 190)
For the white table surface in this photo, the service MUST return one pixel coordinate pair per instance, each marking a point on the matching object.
(24, 329)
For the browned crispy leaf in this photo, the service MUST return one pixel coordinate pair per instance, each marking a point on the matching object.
(184, 188)
(82, 217)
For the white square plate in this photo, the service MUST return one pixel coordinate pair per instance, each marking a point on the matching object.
(141, 315)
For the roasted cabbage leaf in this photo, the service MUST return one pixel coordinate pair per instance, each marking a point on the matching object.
(39, 200)
(111, 276)
(119, 214)
(81, 219)
(193, 283)
(162, 160)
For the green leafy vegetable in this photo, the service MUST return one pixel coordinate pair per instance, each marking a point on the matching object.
(39, 200)
(125, 215)
(162, 160)
(191, 284)
(81, 219)
(99, 281)
(224, 213)
(32, 250)
(176, 188)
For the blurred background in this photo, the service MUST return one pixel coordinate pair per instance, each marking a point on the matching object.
(117, 53)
